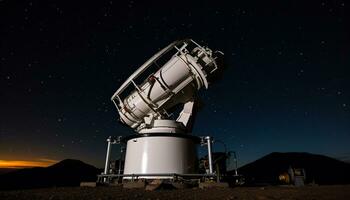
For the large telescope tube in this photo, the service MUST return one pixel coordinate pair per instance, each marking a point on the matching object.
(175, 82)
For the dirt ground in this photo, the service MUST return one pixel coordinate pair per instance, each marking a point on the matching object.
(248, 193)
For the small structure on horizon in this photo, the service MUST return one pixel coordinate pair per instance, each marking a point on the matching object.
(294, 176)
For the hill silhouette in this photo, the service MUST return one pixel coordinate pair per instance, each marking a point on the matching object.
(68, 172)
(319, 169)
(6, 170)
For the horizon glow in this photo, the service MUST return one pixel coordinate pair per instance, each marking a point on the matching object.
(17, 164)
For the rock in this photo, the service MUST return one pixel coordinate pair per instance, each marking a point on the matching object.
(204, 185)
(88, 184)
(153, 185)
(134, 184)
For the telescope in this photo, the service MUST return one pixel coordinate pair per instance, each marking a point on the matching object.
(157, 102)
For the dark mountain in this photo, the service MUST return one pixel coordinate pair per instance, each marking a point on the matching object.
(65, 173)
(318, 168)
(6, 170)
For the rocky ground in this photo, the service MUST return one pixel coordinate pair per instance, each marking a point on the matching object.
(248, 193)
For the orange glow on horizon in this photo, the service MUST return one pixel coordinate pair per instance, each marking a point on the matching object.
(15, 164)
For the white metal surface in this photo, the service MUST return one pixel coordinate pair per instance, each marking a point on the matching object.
(175, 82)
(108, 155)
(210, 159)
(164, 126)
(160, 154)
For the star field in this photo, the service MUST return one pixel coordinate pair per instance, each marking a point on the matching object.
(286, 86)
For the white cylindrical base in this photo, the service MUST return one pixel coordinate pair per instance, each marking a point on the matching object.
(160, 154)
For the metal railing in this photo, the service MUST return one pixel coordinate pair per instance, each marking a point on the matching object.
(106, 178)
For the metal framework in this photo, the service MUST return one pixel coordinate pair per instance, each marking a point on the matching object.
(106, 177)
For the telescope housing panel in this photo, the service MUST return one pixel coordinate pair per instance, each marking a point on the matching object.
(161, 154)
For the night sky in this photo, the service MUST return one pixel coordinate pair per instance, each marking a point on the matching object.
(286, 86)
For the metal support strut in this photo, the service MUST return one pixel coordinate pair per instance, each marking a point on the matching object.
(108, 155)
(110, 141)
(209, 141)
